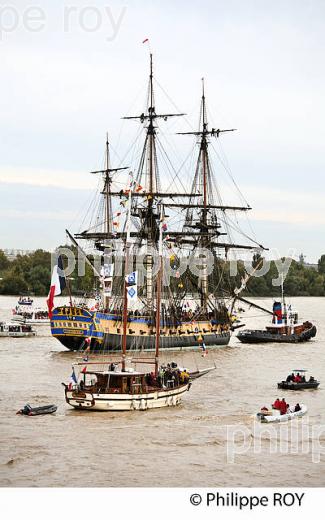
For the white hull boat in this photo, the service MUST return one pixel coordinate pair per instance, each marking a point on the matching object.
(15, 330)
(118, 402)
(273, 416)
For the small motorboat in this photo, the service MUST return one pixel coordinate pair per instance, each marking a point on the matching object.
(39, 410)
(304, 384)
(16, 330)
(25, 301)
(271, 416)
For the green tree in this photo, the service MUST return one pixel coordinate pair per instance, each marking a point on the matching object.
(321, 265)
(4, 262)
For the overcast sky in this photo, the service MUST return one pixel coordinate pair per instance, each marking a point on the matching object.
(69, 75)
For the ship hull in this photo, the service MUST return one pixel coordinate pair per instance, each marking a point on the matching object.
(81, 329)
(113, 342)
(125, 402)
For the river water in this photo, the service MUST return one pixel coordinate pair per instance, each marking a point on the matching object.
(211, 439)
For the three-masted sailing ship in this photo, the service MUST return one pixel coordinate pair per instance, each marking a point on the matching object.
(194, 312)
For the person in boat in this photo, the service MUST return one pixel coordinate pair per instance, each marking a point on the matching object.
(283, 407)
(276, 404)
(297, 378)
(311, 379)
(303, 379)
(297, 407)
(184, 376)
(290, 378)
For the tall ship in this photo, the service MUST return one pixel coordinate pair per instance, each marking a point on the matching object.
(195, 305)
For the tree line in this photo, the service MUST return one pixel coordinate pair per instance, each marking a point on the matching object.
(31, 274)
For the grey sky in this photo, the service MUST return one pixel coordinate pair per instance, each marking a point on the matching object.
(65, 85)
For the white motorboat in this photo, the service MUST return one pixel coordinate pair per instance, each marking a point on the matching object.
(16, 330)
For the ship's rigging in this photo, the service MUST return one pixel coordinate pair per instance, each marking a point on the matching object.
(205, 222)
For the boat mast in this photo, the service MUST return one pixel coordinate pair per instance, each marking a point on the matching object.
(148, 167)
(151, 137)
(107, 190)
(202, 182)
(204, 158)
(158, 292)
(126, 272)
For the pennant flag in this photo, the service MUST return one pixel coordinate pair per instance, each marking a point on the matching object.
(58, 283)
(146, 40)
(164, 227)
(84, 370)
(138, 188)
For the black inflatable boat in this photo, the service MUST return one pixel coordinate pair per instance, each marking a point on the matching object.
(39, 410)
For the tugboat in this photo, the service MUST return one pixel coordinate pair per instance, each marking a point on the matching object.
(195, 310)
(297, 381)
(285, 326)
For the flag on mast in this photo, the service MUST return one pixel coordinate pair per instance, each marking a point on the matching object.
(132, 286)
(58, 283)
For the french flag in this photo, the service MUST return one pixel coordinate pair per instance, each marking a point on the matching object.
(58, 283)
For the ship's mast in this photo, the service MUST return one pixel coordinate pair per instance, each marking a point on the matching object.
(107, 190)
(151, 137)
(206, 227)
(204, 159)
(125, 284)
(108, 215)
(148, 166)
(158, 292)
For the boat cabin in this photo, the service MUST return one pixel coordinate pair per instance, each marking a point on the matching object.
(116, 382)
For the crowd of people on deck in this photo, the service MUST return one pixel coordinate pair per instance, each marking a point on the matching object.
(169, 376)
(284, 407)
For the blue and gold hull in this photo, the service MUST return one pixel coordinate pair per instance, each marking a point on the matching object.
(79, 328)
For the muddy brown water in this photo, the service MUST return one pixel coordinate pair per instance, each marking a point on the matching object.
(190, 445)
